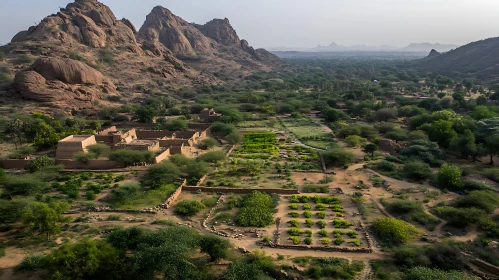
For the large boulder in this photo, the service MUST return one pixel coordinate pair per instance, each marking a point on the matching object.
(68, 71)
(62, 83)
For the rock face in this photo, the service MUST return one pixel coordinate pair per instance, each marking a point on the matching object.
(62, 82)
(181, 37)
(86, 35)
(176, 34)
(86, 22)
(221, 31)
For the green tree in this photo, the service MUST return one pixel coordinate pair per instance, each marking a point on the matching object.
(45, 218)
(449, 177)
(40, 163)
(161, 174)
(214, 246)
(176, 125)
(87, 259)
(395, 232)
(46, 137)
(99, 149)
(234, 138)
(465, 144)
(146, 114)
(16, 130)
(132, 157)
(354, 140)
(207, 143)
(440, 131)
(213, 157)
(370, 149)
(492, 146)
(397, 135)
(84, 157)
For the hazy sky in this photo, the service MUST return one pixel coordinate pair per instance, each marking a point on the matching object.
(301, 23)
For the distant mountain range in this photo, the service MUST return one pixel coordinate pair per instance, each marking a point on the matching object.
(333, 47)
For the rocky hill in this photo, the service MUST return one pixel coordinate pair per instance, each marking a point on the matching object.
(73, 59)
(478, 59)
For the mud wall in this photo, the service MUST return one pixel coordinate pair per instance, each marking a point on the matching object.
(233, 190)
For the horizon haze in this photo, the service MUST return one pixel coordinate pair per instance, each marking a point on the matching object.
(300, 24)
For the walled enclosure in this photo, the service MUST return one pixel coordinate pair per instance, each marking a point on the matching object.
(70, 145)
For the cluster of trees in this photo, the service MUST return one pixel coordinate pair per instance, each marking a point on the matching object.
(134, 253)
(45, 132)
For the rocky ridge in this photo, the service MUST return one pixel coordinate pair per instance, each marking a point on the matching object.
(83, 52)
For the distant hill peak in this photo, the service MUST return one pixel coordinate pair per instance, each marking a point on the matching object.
(434, 53)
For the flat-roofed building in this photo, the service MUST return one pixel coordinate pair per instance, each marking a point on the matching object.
(70, 145)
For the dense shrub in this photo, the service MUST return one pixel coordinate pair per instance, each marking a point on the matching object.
(132, 157)
(161, 174)
(40, 163)
(426, 151)
(460, 217)
(394, 232)
(257, 210)
(212, 157)
(386, 166)
(334, 268)
(472, 185)
(449, 177)
(425, 273)
(207, 144)
(338, 157)
(484, 200)
(411, 212)
(23, 185)
(188, 207)
(417, 170)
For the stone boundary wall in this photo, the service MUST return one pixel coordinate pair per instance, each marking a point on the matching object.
(230, 150)
(306, 171)
(324, 249)
(111, 210)
(168, 203)
(323, 162)
(486, 266)
(201, 181)
(370, 243)
(233, 190)
(15, 163)
(212, 210)
(163, 156)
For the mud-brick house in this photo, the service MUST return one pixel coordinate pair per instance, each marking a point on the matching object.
(209, 115)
